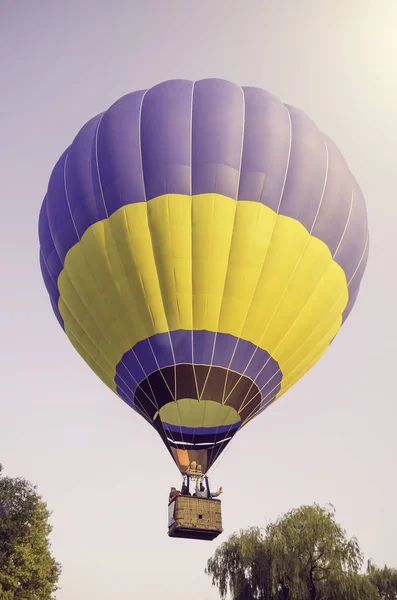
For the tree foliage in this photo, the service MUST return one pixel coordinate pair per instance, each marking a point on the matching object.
(304, 555)
(27, 569)
(384, 580)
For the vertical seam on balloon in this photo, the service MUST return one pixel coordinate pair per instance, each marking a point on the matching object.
(67, 197)
(51, 239)
(237, 198)
(191, 241)
(159, 282)
(322, 321)
(43, 261)
(97, 168)
(191, 234)
(114, 239)
(191, 139)
(271, 236)
(176, 296)
(242, 146)
(53, 299)
(288, 162)
(213, 345)
(309, 238)
(45, 218)
(346, 226)
(243, 117)
(323, 192)
(361, 259)
(54, 302)
(354, 296)
(140, 143)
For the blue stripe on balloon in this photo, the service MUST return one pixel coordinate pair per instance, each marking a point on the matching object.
(224, 348)
(159, 351)
(201, 430)
(203, 343)
(182, 343)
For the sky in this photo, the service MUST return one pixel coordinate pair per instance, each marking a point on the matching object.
(331, 438)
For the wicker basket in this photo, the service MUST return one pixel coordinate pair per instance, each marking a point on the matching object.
(196, 518)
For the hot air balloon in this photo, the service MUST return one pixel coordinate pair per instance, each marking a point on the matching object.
(201, 243)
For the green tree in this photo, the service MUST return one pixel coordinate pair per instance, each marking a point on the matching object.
(304, 555)
(308, 547)
(242, 565)
(384, 580)
(349, 586)
(27, 569)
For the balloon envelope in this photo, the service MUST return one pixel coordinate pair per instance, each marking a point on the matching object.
(201, 244)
